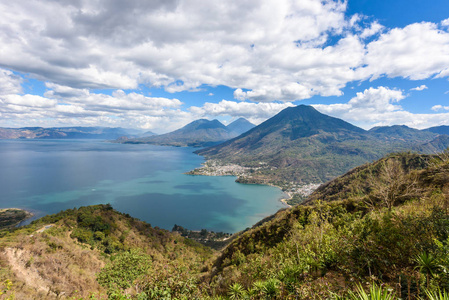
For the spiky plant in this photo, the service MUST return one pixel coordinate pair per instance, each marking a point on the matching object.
(258, 288)
(427, 264)
(271, 288)
(376, 292)
(236, 291)
(436, 295)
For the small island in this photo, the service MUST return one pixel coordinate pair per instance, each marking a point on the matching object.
(11, 217)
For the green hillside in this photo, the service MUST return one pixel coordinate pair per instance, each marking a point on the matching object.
(402, 134)
(302, 145)
(344, 237)
(382, 226)
(96, 252)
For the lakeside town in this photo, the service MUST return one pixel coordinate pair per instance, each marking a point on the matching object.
(295, 192)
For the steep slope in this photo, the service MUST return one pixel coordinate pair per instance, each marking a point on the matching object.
(310, 251)
(358, 181)
(96, 250)
(199, 133)
(299, 144)
(239, 126)
(290, 124)
(436, 145)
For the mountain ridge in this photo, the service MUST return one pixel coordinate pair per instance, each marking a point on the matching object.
(77, 132)
(301, 146)
(199, 133)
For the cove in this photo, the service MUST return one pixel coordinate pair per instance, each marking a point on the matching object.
(145, 181)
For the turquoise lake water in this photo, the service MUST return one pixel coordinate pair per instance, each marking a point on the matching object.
(47, 176)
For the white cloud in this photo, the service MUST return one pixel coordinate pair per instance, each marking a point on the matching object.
(420, 88)
(372, 30)
(264, 50)
(418, 51)
(9, 83)
(379, 99)
(445, 22)
(372, 106)
(26, 101)
(439, 107)
(180, 45)
(65, 106)
(61, 91)
(271, 50)
(379, 107)
(255, 112)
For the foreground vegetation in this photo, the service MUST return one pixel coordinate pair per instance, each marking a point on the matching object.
(98, 252)
(379, 232)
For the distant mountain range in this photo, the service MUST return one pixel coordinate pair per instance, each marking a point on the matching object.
(67, 133)
(299, 144)
(303, 145)
(402, 134)
(199, 133)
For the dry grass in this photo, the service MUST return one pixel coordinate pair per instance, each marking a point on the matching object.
(46, 266)
(50, 264)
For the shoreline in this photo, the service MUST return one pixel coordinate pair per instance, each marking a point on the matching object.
(242, 174)
(283, 199)
(12, 217)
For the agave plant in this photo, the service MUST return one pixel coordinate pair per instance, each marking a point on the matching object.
(271, 288)
(236, 291)
(258, 288)
(375, 293)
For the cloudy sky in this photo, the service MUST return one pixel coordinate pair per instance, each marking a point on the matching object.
(160, 64)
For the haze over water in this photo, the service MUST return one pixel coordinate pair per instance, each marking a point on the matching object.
(146, 181)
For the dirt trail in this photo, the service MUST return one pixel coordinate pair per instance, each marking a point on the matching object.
(17, 259)
(45, 228)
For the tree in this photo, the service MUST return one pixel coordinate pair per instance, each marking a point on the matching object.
(391, 184)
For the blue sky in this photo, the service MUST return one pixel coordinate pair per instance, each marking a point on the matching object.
(158, 65)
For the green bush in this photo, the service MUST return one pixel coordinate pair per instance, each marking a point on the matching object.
(126, 269)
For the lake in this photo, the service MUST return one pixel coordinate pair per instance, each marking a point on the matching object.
(145, 181)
